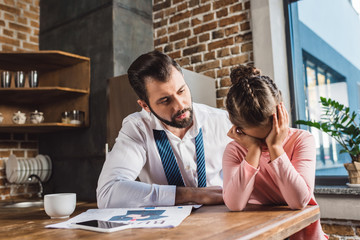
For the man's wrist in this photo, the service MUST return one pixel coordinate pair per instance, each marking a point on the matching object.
(183, 195)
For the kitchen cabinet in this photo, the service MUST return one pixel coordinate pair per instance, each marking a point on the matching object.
(64, 85)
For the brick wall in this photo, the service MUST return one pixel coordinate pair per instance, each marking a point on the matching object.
(19, 31)
(205, 36)
(19, 25)
(341, 229)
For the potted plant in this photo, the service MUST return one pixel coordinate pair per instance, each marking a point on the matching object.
(338, 122)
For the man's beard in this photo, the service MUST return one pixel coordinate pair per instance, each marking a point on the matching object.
(184, 123)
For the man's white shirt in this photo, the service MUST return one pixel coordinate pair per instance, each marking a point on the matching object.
(135, 155)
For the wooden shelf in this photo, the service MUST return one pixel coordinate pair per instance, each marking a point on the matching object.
(41, 127)
(64, 85)
(39, 60)
(37, 95)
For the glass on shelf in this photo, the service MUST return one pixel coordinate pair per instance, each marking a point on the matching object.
(76, 117)
(65, 117)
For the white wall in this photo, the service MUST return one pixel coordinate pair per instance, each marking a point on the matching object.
(268, 29)
(338, 206)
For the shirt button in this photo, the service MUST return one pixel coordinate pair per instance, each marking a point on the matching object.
(187, 168)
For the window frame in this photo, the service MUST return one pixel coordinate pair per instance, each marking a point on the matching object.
(296, 80)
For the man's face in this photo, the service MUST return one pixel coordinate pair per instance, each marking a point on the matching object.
(170, 101)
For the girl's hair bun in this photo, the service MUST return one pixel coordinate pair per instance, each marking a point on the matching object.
(242, 72)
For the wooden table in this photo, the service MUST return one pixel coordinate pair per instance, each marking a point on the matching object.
(208, 222)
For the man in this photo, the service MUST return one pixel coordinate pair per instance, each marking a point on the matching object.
(173, 146)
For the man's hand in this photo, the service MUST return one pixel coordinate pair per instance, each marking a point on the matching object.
(193, 195)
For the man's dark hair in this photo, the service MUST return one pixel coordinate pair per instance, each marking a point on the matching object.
(156, 65)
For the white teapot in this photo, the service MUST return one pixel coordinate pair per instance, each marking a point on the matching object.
(19, 117)
(36, 117)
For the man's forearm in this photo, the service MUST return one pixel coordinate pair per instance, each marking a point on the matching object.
(136, 194)
(193, 195)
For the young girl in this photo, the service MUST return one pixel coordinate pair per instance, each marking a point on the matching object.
(268, 163)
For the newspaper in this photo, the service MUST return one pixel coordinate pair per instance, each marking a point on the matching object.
(146, 217)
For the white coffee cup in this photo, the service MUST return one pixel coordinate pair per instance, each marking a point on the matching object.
(60, 205)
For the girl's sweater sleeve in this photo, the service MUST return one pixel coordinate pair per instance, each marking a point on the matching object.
(239, 177)
(295, 175)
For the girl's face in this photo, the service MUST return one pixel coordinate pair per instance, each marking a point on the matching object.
(260, 132)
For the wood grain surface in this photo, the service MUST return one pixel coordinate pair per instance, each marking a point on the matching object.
(208, 222)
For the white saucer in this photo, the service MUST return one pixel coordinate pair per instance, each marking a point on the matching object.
(21, 171)
(33, 168)
(49, 161)
(38, 171)
(44, 167)
(49, 167)
(352, 185)
(12, 167)
(41, 165)
(26, 170)
(31, 164)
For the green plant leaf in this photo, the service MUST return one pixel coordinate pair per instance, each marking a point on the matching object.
(338, 122)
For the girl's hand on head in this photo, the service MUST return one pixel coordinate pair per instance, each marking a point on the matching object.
(250, 143)
(243, 139)
(279, 131)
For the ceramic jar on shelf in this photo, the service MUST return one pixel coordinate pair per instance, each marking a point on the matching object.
(36, 117)
(19, 117)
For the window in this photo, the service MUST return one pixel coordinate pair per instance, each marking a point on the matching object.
(325, 61)
(322, 81)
